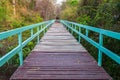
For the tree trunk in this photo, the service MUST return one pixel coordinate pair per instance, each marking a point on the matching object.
(14, 10)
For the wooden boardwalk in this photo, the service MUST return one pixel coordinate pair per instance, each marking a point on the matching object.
(59, 56)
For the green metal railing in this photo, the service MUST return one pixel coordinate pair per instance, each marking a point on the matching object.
(41, 27)
(72, 26)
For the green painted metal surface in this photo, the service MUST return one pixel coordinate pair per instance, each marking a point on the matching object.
(71, 26)
(100, 52)
(99, 46)
(21, 44)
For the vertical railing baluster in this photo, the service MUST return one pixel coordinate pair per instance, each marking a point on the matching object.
(75, 27)
(32, 32)
(87, 32)
(69, 26)
(76, 30)
(44, 29)
(38, 37)
(100, 53)
(41, 27)
(72, 28)
(20, 52)
(79, 35)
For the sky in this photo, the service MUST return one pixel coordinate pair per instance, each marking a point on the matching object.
(59, 1)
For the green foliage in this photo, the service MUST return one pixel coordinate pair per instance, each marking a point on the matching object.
(84, 19)
(99, 13)
(104, 19)
(69, 13)
(36, 18)
(2, 13)
(24, 15)
(73, 2)
(16, 23)
(31, 45)
(28, 48)
(5, 12)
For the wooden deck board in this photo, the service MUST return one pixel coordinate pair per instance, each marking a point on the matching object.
(59, 56)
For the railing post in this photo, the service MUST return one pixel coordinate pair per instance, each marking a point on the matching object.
(41, 27)
(32, 32)
(75, 27)
(38, 37)
(20, 52)
(71, 29)
(79, 35)
(44, 30)
(87, 32)
(100, 53)
(68, 27)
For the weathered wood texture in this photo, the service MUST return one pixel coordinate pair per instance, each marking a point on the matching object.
(59, 56)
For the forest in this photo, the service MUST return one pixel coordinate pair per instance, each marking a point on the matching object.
(103, 14)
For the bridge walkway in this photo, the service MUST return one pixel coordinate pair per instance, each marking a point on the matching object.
(59, 56)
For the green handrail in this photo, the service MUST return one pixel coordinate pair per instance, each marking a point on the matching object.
(19, 31)
(99, 45)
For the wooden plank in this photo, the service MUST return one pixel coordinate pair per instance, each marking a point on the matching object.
(60, 43)
(63, 65)
(61, 77)
(46, 48)
(58, 40)
(57, 34)
(58, 37)
(59, 56)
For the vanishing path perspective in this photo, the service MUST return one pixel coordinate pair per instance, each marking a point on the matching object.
(59, 56)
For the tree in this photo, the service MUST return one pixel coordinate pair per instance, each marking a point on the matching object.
(99, 13)
(70, 8)
(46, 9)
